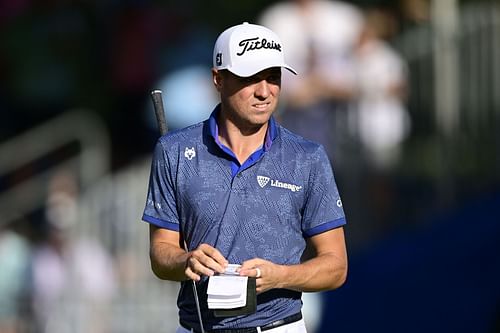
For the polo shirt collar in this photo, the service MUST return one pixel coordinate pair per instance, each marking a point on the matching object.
(271, 134)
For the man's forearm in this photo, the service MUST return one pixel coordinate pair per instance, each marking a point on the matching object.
(324, 272)
(168, 262)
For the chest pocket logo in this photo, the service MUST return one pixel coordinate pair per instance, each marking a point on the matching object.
(189, 153)
(262, 180)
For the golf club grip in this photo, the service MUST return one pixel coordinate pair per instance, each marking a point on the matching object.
(159, 111)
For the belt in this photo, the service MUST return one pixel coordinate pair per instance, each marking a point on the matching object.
(274, 324)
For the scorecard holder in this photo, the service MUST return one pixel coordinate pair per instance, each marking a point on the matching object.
(249, 308)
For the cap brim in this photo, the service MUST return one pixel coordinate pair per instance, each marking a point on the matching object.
(250, 70)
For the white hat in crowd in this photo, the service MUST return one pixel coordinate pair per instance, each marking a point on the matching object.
(247, 49)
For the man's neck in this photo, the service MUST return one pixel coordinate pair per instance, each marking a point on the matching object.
(242, 141)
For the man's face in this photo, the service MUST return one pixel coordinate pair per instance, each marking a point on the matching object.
(249, 101)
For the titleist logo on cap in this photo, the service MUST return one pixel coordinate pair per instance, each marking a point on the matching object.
(247, 49)
(256, 43)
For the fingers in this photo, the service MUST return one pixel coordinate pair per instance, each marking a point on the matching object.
(262, 282)
(253, 268)
(268, 274)
(205, 260)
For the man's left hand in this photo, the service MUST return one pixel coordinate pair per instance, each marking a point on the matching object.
(268, 275)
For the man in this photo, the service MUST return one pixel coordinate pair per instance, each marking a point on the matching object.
(240, 189)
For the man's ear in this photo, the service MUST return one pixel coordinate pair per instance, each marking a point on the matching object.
(216, 78)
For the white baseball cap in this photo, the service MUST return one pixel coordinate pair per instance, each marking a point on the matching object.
(247, 49)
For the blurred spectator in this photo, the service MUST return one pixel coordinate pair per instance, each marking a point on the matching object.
(14, 262)
(73, 277)
(383, 121)
(319, 37)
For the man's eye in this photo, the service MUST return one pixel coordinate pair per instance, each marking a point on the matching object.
(274, 78)
(247, 80)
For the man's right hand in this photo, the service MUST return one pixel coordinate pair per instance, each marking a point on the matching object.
(204, 260)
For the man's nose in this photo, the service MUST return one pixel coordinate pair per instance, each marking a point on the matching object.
(262, 89)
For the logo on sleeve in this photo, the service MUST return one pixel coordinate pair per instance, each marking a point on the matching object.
(263, 181)
(189, 153)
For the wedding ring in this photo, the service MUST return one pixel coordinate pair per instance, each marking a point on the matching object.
(258, 272)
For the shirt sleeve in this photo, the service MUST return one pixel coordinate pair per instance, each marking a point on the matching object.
(323, 208)
(161, 208)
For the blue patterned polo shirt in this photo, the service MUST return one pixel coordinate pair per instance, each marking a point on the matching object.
(264, 208)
